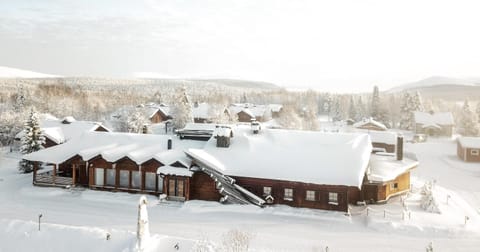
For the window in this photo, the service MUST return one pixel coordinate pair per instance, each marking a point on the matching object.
(99, 176)
(124, 178)
(310, 195)
(333, 198)
(110, 177)
(474, 152)
(135, 179)
(267, 190)
(288, 194)
(150, 179)
(176, 187)
(393, 186)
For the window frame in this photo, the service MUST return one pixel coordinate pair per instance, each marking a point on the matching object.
(288, 196)
(475, 152)
(312, 197)
(333, 198)
(269, 189)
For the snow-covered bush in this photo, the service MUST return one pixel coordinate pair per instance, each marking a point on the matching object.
(236, 241)
(428, 202)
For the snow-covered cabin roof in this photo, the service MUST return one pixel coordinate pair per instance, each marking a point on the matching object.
(369, 121)
(387, 137)
(470, 142)
(200, 110)
(170, 170)
(386, 167)
(302, 156)
(114, 146)
(253, 110)
(275, 107)
(59, 132)
(441, 118)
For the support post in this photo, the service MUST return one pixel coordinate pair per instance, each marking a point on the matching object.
(35, 168)
(74, 176)
(54, 173)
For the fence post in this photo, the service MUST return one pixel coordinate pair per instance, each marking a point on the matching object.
(384, 213)
(367, 211)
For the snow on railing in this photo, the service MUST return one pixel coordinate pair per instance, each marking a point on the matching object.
(368, 211)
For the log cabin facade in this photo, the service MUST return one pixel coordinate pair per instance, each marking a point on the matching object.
(468, 149)
(237, 173)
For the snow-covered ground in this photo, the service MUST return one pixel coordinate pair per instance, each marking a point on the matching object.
(79, 219)
(8, 72)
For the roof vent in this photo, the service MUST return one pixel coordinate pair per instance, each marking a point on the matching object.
(68, 120)
(223, 135)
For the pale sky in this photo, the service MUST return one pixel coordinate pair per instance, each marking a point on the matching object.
(341, 45)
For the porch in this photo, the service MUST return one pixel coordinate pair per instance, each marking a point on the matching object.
(52, 177)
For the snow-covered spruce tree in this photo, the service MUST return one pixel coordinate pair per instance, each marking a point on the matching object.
(288, 118)
(352, 110)
(406, 116)
(477, 110)
(337, 111)
(417, 102)
(375, 104)
(19, 104)
(468, 121)
(360, 109)
(136, 121)
(32, 140)
(181, 109)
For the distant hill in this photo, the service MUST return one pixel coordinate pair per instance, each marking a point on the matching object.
(443, 88)
(8, 72)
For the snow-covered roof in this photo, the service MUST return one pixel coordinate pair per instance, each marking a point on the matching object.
(303, 156)
(470, 142)
(275, 107)
(170, 170)
(252, 110)
(386, 167)
(388, 137)
(114, 146)
(367, 121)
(441, 118)
(200, 110)
(59, 132)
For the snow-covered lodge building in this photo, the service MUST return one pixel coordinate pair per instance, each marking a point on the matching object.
(468, 149)
(58, 131)
(239, 164)
(434, 124)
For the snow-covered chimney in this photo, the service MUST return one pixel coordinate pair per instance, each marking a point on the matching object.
(255, 126)
(223, 135)
(169, 144)
(399, 147)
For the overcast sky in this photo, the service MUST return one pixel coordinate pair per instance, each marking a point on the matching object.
(341, 45)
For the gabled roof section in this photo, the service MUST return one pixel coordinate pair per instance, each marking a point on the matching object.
(369, 123)
(386, 167)
(470, 142)
(300, 156)
(441, 118)
(115, 146)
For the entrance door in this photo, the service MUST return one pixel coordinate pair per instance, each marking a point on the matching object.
(176, 187)
(83, 175)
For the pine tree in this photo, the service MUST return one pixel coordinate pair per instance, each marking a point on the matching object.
(360, 109)
(406, 112)
(469, 121)
(181, 109)
(32, 140)
(137, 122)
(352, 111)
(375, 109)
(417, 102)
(477, 110)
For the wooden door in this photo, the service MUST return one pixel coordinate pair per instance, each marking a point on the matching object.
(83, 174)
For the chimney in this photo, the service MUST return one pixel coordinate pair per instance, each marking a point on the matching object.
(223, 135)
(169, 144)
(399, 147)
